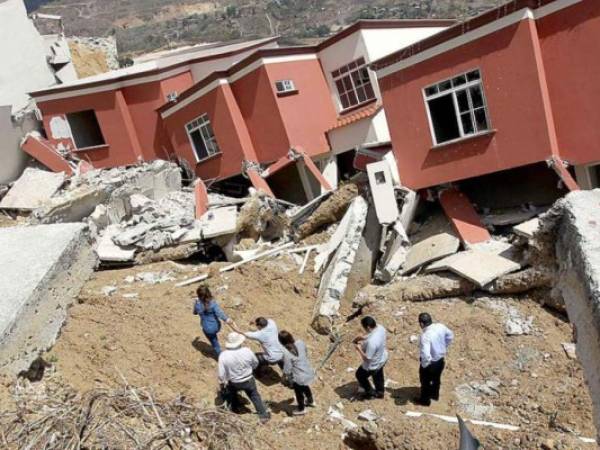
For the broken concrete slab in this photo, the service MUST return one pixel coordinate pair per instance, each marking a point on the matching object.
(335, 279)
(574, 222)
(73, 207)
(527, 229)
(477, 266)
(32, 189)
(397, 247)
(108, 251)
(43, 269)
(510, 217)
(431, 249)
(219, 222)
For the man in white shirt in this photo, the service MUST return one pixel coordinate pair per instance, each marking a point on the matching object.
(371, 348)
(236, 366)
(267, 335)
(433, 345)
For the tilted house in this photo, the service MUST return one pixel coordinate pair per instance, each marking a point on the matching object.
(491, 103)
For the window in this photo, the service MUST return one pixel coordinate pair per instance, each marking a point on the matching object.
(285, 86)
(457, 107)
(85, 129)
(353, 84)
(380, 177)
(202, 138)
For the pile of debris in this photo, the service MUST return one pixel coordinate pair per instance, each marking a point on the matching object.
(51, 416)
(362, 232)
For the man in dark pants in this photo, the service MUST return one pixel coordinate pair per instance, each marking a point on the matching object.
(433, 346)
(236, 365)
(371, 348)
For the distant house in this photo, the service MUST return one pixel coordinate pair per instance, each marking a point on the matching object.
(491, 102)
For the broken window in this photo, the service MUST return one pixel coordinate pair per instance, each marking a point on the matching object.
(353, 84)
(457, 107)
(202, 138)
(285, 86)
(85, 129)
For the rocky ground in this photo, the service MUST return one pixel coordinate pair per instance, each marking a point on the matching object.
(146, 333)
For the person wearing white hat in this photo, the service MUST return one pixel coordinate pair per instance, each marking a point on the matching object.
(236, 366)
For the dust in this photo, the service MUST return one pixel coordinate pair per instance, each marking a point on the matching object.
(155, 341)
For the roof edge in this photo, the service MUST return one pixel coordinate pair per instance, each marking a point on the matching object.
(226, 74)
(60, 89)
(458, 30)
(374, 24)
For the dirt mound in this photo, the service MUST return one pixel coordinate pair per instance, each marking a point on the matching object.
(155, 341)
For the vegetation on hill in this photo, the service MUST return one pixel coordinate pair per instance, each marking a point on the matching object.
(145, 25)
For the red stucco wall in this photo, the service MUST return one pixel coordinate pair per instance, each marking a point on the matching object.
(109, 107)
(257, 102)
(308, 114)
(570, 41)
(220, 106)
(514, 96)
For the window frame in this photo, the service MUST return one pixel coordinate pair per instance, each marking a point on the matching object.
(346, 71)
(452, 91)
(291, 86)
(104, 144)
(203, 122)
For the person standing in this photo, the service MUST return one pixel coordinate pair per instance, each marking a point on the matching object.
(267, 336)
(297, 370)
(211, 316)
(236, 365)
(372, 349)
(433, 346)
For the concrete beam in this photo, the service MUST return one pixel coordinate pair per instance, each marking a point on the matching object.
(576, 234)
(463, 216)
(43, 270)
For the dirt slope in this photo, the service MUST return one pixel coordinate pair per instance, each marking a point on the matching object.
(155, 341)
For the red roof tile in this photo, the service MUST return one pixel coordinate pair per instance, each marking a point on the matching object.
(362, 113)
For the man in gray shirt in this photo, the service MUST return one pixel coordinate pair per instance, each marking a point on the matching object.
(267, 335)
(371, 348)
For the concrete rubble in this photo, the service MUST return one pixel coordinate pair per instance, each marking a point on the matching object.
(43, 269)
(32, 189)
(335, 277)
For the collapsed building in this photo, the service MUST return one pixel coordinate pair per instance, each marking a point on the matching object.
(393, 176)
(30, 61)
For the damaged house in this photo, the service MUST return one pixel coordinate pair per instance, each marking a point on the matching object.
(29, 61)
(502, 108)
(227, 112)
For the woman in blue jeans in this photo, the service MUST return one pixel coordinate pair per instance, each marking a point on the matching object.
(211, 316)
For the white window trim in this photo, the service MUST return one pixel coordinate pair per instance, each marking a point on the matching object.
(452, 91)
(208, 148)
(289, 86)
(355, 89)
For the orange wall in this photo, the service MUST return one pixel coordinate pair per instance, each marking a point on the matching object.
(257, 102)
(117, 134)
(228, 131)
(143, 100)
(308, 114)
(570, 41)
(514, 96)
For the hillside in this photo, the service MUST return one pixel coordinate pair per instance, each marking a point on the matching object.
(145, 25)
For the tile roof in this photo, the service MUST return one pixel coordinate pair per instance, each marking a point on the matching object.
(363, 113)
